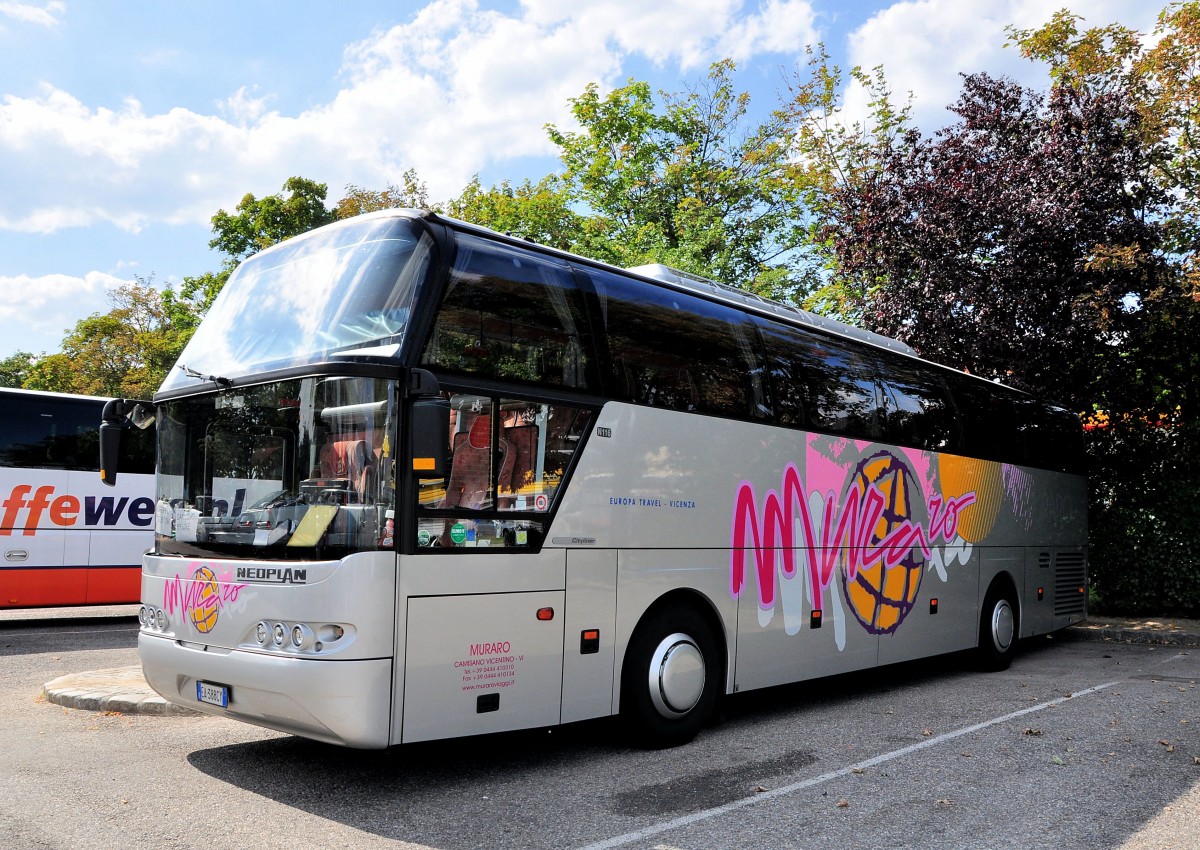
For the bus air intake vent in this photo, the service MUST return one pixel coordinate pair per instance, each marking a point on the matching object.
(1069, 576)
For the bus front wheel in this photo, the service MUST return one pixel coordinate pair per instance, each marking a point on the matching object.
(998, 629)
(670, 678)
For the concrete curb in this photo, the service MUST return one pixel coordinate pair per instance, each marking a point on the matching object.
(1156, 637)
(122, 690)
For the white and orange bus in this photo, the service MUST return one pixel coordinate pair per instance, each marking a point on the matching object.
(417, 479)
(65, 539)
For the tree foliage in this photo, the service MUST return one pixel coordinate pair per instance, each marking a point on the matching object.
(124, 352)
(15, 369)
(539, 211)
(691, 183)
(836, 158)
(1014, 242)
(358, 200)
(262, 222)
(1144, 452)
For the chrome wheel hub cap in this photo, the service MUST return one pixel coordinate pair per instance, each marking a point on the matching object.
(676, 676)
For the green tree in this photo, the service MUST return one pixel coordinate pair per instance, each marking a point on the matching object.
(413, 194)
(836, 158)
(262, 222)
(688, 182)
(539, 211)
(15, 368)
(124, 352)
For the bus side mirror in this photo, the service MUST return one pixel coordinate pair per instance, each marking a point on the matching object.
(110, 450)
(430, 437)
(112, 424)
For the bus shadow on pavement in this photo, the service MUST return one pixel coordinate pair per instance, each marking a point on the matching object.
(481, 789)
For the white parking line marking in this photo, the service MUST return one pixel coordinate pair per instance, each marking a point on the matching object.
(695, 817)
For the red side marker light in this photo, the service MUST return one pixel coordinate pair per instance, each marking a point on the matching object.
(545, 614)
(814, 620)
(933, 603)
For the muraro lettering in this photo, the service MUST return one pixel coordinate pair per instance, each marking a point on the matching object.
(189, 594)
(781, 527)
(498, 648)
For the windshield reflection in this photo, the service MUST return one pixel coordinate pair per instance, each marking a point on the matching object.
(295, 469)
(329, 292)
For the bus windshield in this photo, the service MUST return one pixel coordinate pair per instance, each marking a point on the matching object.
(290, 470)
(332, 291)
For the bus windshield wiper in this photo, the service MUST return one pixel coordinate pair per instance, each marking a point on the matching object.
(224, 383)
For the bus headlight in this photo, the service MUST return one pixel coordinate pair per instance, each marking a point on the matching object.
(143, 616)
(302, 636)
(261, 633)
(160, 620)
(278, 634)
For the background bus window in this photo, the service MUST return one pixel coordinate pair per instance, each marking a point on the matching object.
(62, 433)
(673, 350)
(508, 458)
(510, 314)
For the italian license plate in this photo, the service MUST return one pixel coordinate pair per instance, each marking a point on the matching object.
(212, 694)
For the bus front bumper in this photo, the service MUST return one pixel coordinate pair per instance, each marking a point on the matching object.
(339, 702)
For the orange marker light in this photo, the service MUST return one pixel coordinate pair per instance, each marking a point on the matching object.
(424, 464)
(545, 614)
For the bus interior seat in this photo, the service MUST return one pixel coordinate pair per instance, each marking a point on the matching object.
(348, 457)
(522, 440)
(471, 465)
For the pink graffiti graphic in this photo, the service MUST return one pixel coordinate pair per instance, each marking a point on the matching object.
(784, 526)
(201, 597)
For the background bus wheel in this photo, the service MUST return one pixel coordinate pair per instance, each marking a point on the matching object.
(998, 629)
(670, 679)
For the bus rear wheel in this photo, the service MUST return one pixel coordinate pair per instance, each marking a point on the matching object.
(998, 629)
(670, 678)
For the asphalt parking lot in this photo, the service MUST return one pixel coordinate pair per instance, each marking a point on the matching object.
(1080, 744)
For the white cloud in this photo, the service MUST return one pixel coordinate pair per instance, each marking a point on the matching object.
(50, 305)
(47, 15)
(450, 92)
(924, 46)
(242, 107)
(781, 26)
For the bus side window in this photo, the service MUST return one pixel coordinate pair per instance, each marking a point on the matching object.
(846, 400)
(990, 427)
(918, 413)
(510, 313)
(509, 457)
(677, 351)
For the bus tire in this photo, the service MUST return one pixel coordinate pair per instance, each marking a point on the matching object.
(670, 678)
(999, 628)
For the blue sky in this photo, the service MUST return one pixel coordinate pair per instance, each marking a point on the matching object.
(125, 126)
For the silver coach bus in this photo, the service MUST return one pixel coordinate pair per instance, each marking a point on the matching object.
(417, 479)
